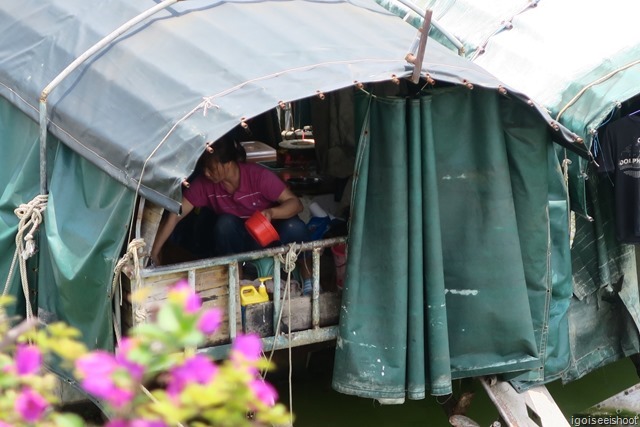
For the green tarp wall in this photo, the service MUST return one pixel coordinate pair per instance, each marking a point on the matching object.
(85, 224)
(605, 311)
(459, 261)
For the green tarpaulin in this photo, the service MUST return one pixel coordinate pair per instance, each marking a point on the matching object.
(458, 258)
(83, 231)
(586, 78)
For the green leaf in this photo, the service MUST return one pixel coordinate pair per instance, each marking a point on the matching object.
(66, 348)
(192, 339)
(6, 300)
(61, 329)
(68, 420)
(168, 320)
(171, 413)
(276, 415)
(149, 331)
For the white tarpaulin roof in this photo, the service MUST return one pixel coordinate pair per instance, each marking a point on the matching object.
(578, 58)
(152, 98)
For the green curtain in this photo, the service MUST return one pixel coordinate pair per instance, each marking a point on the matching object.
(546, 260)
(19, 183)
(458, 205)
(85, 225)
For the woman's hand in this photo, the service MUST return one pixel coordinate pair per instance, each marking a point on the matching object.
(288, 206)
(155, 260)
(268, 214)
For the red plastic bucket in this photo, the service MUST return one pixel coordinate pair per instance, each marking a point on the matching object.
(339, 252)
(261, 229)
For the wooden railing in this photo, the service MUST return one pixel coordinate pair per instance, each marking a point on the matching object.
(313, 334)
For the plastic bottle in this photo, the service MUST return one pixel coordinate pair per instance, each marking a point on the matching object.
(262, 289)
(250, 295)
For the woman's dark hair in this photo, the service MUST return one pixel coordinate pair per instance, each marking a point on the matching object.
(225, 150)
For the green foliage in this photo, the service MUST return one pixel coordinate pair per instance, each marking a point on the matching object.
(155, 378)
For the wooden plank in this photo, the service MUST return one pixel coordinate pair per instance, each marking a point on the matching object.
(211, 284)
(532, 408)
(151, 217)
(258, 317)
(301, 311)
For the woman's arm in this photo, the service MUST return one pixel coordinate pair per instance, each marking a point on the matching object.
(288, 206)
(167, 225)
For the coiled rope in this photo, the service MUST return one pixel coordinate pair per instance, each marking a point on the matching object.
(30, 216)
(129, 264)
(288, 261)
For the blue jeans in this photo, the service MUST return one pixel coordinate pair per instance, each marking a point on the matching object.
(231, 237)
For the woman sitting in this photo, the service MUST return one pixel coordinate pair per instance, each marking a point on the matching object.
(234, 190)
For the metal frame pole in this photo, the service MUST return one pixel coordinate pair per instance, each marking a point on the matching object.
(72, 67)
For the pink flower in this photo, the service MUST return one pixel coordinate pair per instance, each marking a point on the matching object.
(210, 321)
(147, 423)
(30, 405)
(249, 346)
(3, 424)
(183, 293)
(118, 397)
(126, 345)
(135, 423)
(28, 359)
(264, 391)
(135, 370)
(193, 303)
(197, 369)
(97, 363)
(98, 371)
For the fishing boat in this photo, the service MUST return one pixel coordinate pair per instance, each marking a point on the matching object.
(478, 236)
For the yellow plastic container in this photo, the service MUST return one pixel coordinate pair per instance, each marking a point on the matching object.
(250, 295)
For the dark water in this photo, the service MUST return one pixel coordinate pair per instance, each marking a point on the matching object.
(316, 404)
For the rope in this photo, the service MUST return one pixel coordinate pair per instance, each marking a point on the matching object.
(565, 173)
(30, 216)
(289, 259)
(140, 315)
(288, 262)
(130, 259)
(593, 83)
(565, 168)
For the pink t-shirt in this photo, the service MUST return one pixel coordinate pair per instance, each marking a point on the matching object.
(259, 189)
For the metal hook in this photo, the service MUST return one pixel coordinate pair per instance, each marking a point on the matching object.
(430, 81)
